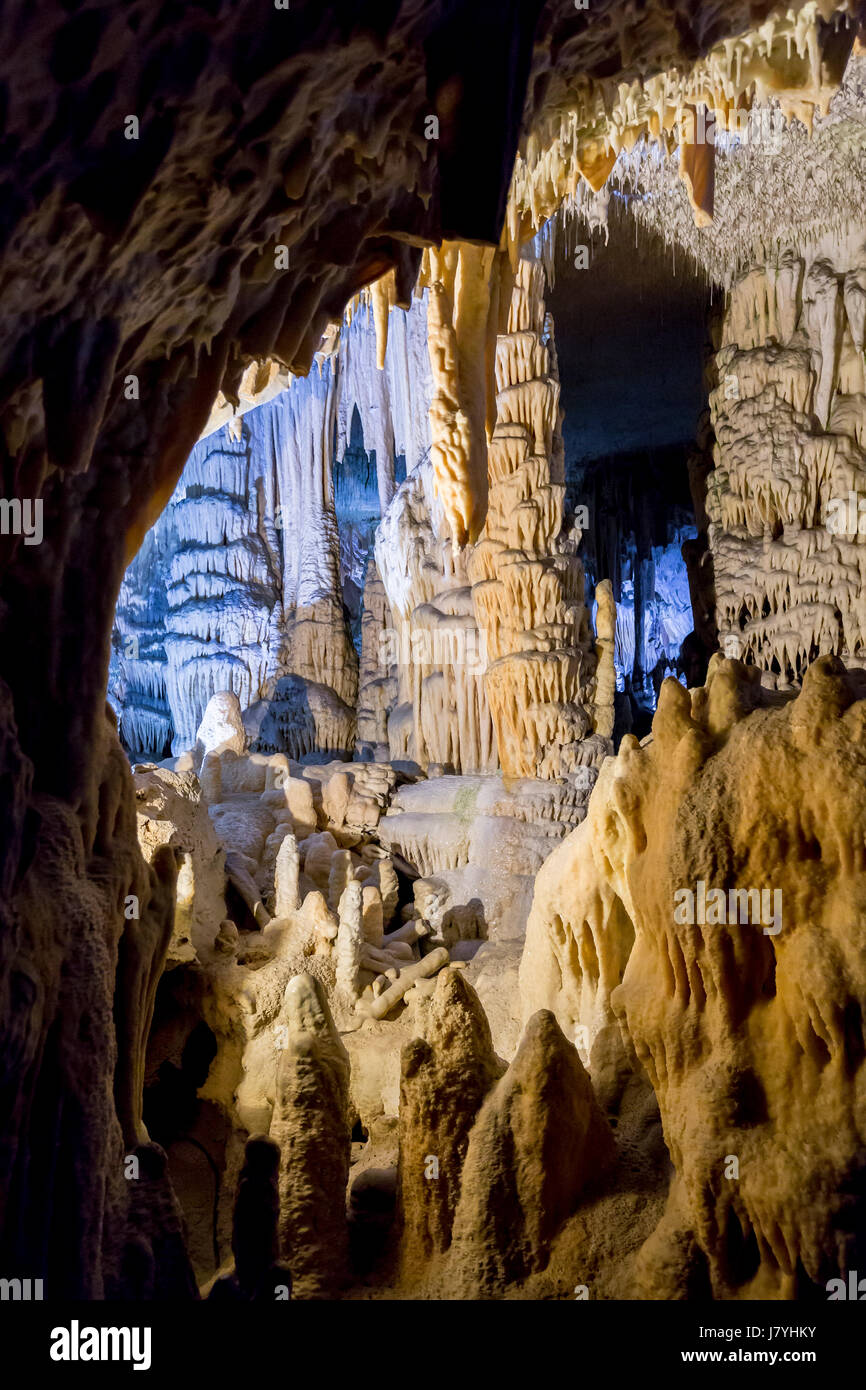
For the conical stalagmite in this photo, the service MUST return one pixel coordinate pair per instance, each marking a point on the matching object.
(444, 1078)
(310, 1125)
(350, 939)
(286, 877)
(341, 874)
(539, 1140)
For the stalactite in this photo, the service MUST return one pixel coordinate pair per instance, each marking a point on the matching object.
(527, 591)
(788, 554)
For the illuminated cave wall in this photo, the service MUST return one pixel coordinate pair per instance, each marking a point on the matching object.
(256, 568)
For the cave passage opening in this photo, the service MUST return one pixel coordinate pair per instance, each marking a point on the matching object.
(358, 509)
(631, 324)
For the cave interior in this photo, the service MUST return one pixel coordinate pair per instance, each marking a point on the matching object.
(432, 689)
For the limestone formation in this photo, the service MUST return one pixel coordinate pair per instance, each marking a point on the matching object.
(384, 878)
(350, 939)
(169, 811)
(299, 799)
(445, 1076)
(491, 647)
(311, 1128)
(154, 1266)
(528, 593)
(371, 913)
(221, 729)
(254, 555)
(315, 911)
(406, 977)
(319, 851)
(258, 1274)
(448, 822)
(340, 875)
(286, 873)
(686, 112)
(786, 542)
(377, 686)
(435, 648)
(724, 846)
(285, 473)
(538, 1142)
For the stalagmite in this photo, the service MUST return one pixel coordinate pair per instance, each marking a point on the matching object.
(315, 911)
(258, 1274)
(371, 910)
(514, 1195)
(319, 851)
(286, 877)
(384, 878)
(605, 678)
(221, 727)
(299, 799)
(444, 1078)
(340, 874)
(350, 939)
(527, 592)
(311, 1128)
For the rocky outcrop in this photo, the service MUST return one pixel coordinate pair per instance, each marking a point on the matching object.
(726, 845)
